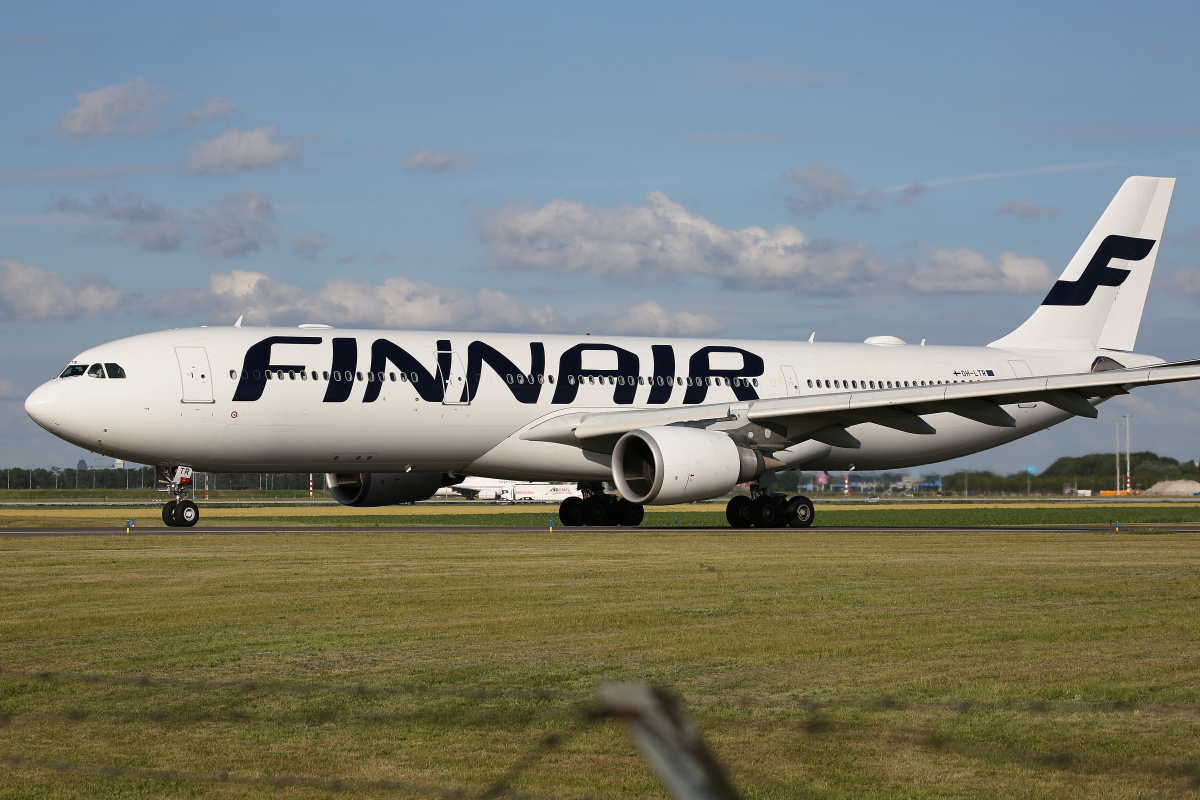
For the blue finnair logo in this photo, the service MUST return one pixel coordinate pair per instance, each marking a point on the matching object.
(1098, 273)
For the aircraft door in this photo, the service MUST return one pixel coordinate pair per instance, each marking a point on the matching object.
(454, 380)
(195, 374)
(1022, 370)
(790, 381)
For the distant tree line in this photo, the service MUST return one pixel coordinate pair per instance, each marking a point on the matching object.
(1095, 472)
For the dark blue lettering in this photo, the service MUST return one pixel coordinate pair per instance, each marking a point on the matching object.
(345, 363)
(258, 363)
(739, 379)
(427, 385)
(570, 370)
(1098, 273)
(527, 391)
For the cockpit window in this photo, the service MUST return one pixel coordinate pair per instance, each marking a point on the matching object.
(95, 371)
(73, 371)
(114, 370)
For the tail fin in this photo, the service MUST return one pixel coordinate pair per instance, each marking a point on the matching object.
(1097, 302)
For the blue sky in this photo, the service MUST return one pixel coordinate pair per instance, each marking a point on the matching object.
(763, 170)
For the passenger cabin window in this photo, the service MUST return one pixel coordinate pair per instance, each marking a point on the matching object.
(95, 371)
(73, 371)
(114, 370)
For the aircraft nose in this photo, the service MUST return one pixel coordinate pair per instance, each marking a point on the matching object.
(46, 405)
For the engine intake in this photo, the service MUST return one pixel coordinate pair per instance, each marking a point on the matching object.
(367, 490)
(667, 464)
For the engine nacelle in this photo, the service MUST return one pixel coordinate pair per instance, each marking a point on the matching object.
(668, 464)
(366, 490)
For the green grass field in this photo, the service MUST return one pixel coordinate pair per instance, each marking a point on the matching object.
(696, 515)
(818, 664)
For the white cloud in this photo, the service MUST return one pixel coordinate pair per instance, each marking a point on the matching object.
(239, 150)
(397, 303)
(738, 74)
(987, 176)
(151, 226)
(30, 293)
(1184, 281)
(1189, 238)
(820, 187)
(69, 174)
(125, 110)
(727, 137)
(651, 319)
(435, 160)
(234, 225)
(401, 303)
(661, 239)
(309, 245)
(962, 270)
(216, 108)
(6, 388)
(14, 41)
(1027, 209)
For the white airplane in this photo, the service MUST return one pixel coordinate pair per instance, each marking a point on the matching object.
(509, 491)
(392, 416)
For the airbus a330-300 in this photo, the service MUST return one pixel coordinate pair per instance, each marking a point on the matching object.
(392, 416)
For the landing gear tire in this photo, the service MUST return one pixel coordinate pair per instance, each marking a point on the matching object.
(629, 514)
(800, 512)
(186, 514)
(738, 512)
(597, 510)
(169, 514)
(765, 512)
(570, 511)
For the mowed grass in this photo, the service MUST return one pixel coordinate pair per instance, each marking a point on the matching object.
(817, 663)
(692, 515)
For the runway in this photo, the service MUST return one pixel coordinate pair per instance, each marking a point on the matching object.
(241, 530)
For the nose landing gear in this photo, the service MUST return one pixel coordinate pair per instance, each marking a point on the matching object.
(763, 510)
(180, 512)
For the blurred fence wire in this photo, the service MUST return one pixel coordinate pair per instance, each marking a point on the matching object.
(669, 739)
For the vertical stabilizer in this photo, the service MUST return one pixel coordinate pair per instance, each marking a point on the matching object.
(1097, 302)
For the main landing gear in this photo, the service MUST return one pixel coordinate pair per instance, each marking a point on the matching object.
(598, 508)
(180, 512)
(764, 510)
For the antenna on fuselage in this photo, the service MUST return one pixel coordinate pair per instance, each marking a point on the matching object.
(812, 337)
(238, 324)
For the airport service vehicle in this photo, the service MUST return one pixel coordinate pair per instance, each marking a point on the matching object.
(392, 416)
(503, 491)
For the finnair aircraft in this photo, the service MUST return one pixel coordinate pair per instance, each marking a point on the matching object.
(392, 416)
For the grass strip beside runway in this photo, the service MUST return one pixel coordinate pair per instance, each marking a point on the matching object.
(698, 515)
(817, 663)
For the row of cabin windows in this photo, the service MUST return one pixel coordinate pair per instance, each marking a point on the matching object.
(94, 371)
(841, 384)
(617, 380)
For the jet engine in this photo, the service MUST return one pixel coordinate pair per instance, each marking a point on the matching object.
(668, 464)
(366, 490)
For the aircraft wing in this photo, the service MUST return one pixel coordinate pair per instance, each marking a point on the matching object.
(825, 417)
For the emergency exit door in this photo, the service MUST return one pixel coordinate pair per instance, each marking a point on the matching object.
(195, 374)
(790, 380)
